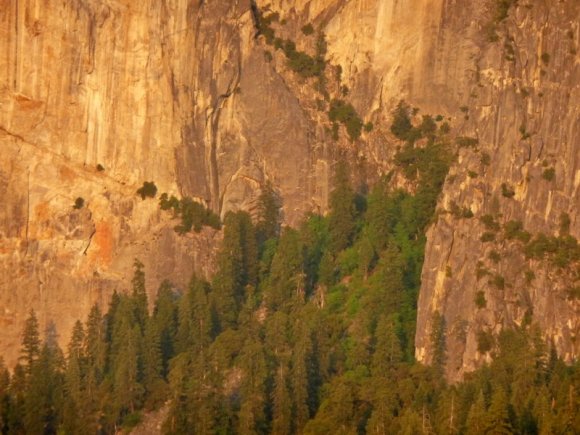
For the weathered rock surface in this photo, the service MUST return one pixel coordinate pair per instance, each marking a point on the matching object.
(182, 93)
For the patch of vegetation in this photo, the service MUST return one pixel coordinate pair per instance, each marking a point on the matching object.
(466, 142)
(472, 174)
(307, 29)
(268, 56)
(460, 212)
(549, 174)
(192, 214)
(79, 203)
(485, 159)
(100, 168)
(343, 112)
(525, 134)
(530, 276)
(487, 237)
(564, 224)
(507, 191)
(561, 250)
(545, 58)
(515, 230)
(401, 126)
(489, 222)
(485, 342)
(148, 190)
(369, 127)
(494, 256)
(480, 301)
(498, 281)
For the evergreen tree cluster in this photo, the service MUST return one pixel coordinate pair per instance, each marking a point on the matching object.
(300, 331)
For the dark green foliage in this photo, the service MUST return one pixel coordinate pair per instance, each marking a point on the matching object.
(401, 126)
(545, 58)
(485, 159)
(148, 190)
(460, 212)
(564, 224)
(368, 127)
(489, 222)
(79, 203)
(480, 300)
(561, 250)
(345, 113)
(507, 191)
(193, 215)
(549, 174)
(342, 210)
(307, 29)
(485, 341)
(494, 256)
(497, 281)
(467, 142)
(30, 350)
(487, 237)
(502, 8)
(269, 214)
(515, 230)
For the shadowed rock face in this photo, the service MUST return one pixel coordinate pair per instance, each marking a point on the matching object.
(181, 93)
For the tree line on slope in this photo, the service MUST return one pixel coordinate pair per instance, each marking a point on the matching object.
(306, 330)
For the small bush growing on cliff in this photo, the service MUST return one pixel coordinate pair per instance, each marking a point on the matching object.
(564, 224)
(480, 301)
(466, 142)
(489, 222)
(100, 168)
(193, 215)
(487, 237)
(307, 29)
(485, 342)
(485, 159)
(79, 203)
(549, 174)
(148, 190)
(345, 113)
(507, 191)
(401, 126)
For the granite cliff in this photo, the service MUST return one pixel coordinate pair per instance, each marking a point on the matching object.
(191, 95)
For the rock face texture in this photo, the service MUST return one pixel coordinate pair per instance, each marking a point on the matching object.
(188, 95)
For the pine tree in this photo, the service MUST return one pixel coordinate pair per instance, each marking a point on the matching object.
(153, 383)
(30, 350)
(282, 405)
(5, 399)
(388, 353)
(165, 319)
(342, 210)
(44, 393)
(140, 294)
(269, 204)
(476, 419)
(286, 283)
(253, 389)
(497, 418)
(300, 375)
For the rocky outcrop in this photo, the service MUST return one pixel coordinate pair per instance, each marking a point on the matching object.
(189, 95)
